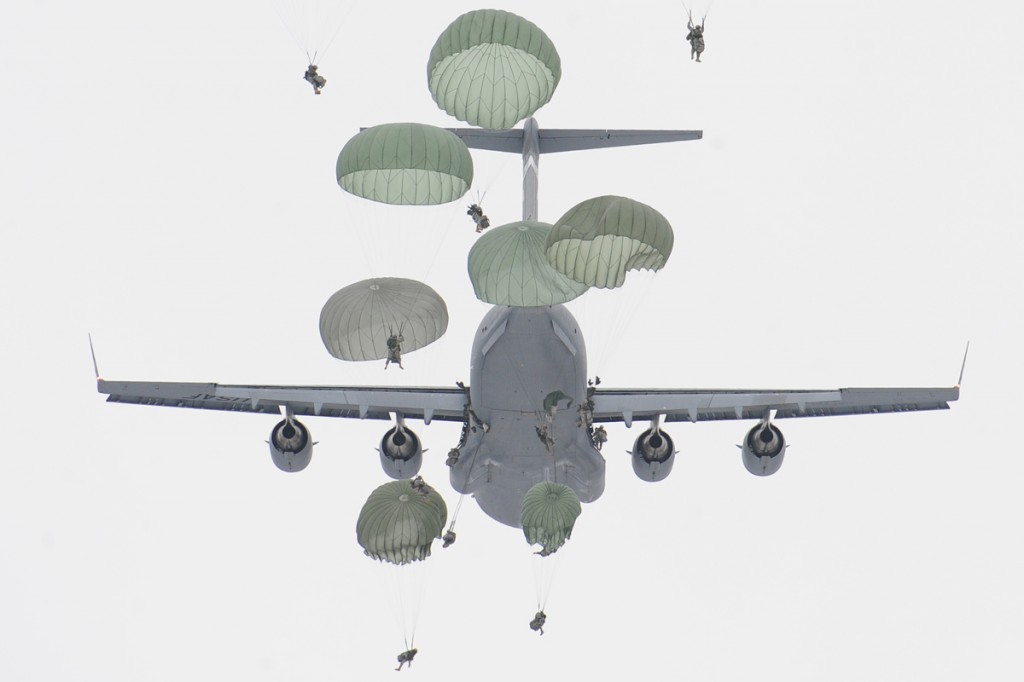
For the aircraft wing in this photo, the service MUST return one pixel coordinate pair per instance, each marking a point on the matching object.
(354, 402)
(613, 405)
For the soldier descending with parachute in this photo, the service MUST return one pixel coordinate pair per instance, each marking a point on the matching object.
(395, 350)
(696, 34)
(313, 25)
(397, 525)
(549, 513)
(315, 79)
(477, 214)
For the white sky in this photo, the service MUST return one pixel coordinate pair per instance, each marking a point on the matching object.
(851, 218)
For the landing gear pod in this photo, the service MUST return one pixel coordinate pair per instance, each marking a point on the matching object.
(290, 445)
(401, 455)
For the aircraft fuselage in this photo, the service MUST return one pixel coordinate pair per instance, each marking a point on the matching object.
(528, 379)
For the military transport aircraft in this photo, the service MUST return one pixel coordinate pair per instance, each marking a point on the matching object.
(529, 412)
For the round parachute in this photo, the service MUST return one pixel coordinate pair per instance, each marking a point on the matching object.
(549, 512)
(406, 164)
(357, 321)
(597, 241)
(492, 69)
(400, 520)
(508, 266)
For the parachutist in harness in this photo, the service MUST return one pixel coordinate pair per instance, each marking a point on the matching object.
(419, 485)
(585, 415)
(449, 539)
(453, 457)
(477, 214)
(406, 657)
(696, 38)
(538, 622)
(476, 420)
(544, 433)
(394, 351)
(314, 79)
(599, 436)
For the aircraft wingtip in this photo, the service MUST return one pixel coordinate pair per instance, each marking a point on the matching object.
(963, 365)
(92, 351)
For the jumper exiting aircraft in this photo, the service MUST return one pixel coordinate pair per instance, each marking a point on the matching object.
(529, 413)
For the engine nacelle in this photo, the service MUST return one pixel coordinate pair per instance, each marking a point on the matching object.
(763, 449)
(401, 455)
(653, 455)
(290, 445)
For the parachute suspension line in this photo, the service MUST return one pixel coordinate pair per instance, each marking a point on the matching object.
(689, 14)
(313, 24)
(291, 32)
(462, 496)
(333, 35)
(544, 571)
(623, 317)
(391, 586)
(407, 588)
(553, 570)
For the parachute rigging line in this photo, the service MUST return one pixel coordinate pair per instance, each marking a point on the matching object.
(306, 20)
(689, 14)
(462, 495)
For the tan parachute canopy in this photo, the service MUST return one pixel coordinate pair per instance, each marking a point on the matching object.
(356, 321)
(405, 163)
(400, 520)
(508, 266)
(492, 69)
(549, 512)
(597, 241)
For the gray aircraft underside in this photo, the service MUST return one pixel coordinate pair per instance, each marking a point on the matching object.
(521, 357)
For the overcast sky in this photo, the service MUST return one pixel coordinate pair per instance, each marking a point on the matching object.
(852, 217)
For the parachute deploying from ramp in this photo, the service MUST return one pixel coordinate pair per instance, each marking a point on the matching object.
(549, 512)
(400, 520)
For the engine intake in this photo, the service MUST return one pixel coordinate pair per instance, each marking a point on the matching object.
(653, 455)
(290, 445)
(763, 449)
(401, 455)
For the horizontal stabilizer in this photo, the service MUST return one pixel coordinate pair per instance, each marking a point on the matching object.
(567, 140)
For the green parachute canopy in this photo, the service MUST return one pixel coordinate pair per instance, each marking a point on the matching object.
(399, 522)
(356, 321)
(549, 512)
(407, 164)
(508, 266)
(597, 241)
(492, 69)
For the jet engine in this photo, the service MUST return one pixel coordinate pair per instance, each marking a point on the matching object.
(763, 449)
(290, 445)
(401, 454)
(653, 455)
